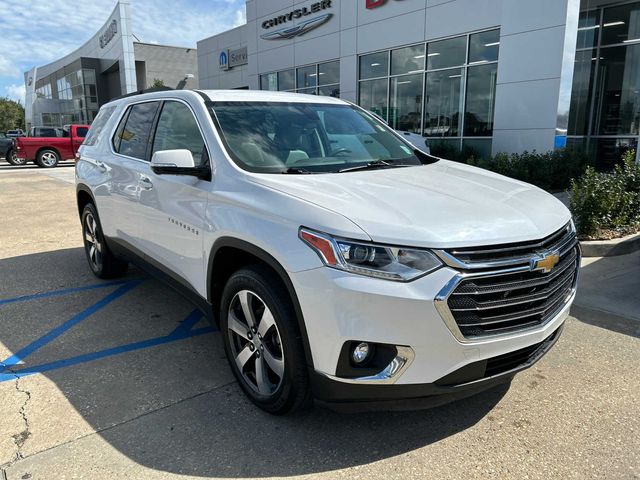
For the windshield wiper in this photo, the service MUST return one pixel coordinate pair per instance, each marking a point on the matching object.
(296, 171)
(374, 165)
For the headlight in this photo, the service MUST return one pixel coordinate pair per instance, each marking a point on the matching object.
(380, 261)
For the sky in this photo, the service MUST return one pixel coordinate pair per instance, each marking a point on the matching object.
(36, 32)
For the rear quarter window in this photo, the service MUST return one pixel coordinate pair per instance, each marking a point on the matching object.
(133, 133)
(93, 135)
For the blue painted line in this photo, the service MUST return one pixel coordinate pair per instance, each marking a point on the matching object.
(65, 291)
(188, 323)
(185, 330)
(16, 358)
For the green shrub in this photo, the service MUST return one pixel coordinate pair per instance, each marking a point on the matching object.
(550, 171)
(607, 201)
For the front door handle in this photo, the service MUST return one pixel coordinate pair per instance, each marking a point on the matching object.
(146, 183)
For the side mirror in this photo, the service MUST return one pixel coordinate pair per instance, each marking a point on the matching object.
(178, 162)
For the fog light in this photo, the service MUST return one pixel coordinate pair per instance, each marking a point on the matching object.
(360, 353)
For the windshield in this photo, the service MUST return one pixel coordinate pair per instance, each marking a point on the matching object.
(273, 137)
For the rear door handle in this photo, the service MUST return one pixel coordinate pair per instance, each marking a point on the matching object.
(101, 166)
(146, 183)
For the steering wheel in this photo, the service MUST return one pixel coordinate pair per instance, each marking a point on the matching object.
(341, 152)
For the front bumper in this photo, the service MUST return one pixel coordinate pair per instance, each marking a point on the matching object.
(402, 314)
(355, 397)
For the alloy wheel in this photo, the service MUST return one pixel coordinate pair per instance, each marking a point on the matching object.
(49, 159)
(255, 343)
(92, 242)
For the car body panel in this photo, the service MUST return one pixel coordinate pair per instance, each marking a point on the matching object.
(406, 206)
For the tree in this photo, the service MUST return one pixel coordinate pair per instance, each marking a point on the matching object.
(157, 83)
(11, 114)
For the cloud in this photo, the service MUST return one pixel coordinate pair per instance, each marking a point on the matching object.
(16, 92)
(8, 68)
(184, 22)
(241, 17)
(46, 31)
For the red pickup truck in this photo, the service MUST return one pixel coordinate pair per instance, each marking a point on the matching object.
(48, 151)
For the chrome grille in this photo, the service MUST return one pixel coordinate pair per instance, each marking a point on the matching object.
(499, 290)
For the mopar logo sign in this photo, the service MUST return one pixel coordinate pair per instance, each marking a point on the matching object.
(291, 31)
(108, 34)
(233, 58)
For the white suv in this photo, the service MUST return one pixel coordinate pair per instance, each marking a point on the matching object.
(340, 263)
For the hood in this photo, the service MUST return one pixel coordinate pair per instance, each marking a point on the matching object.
(441, 205)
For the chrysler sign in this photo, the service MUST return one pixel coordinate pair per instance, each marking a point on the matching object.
(300, 28)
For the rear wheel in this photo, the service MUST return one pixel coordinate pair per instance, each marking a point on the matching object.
(13, 160)
(48, 158)
(102, 262)
(262, 341)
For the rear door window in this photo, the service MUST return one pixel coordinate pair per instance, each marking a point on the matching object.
(134, 131)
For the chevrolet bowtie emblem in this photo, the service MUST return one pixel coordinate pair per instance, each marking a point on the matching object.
(545, 263)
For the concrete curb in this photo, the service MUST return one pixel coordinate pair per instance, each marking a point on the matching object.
(611, 248)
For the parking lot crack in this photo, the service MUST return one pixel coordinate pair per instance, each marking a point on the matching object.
(20, 438)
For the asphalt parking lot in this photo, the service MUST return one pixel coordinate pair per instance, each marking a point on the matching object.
(127, 380)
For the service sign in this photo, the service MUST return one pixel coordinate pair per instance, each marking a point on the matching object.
(233, 58)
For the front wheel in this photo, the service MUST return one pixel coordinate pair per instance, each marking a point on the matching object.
(102, 262)
(48, 158)
(262, 341)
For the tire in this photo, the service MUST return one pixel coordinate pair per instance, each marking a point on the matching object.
(102, 262)
(285, 385)
(13, 160)
(47, 158)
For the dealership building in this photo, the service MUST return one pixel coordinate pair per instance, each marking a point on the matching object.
(486, 75)
(110, 64)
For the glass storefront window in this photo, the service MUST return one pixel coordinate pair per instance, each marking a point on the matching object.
(307, 77)
(484, 47)
(609, 151)
(476, 147)
(407, 60)
(373, 96)
(442, 106)
(406, 103)
(583, 78)
(621, 24)
(329, 73)
(330, 91)
(89, 76)
(286, 80)
(588, 28)
(269, 82)
(618, 95)
(374, 65)
(479, 105)
(447, 53)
